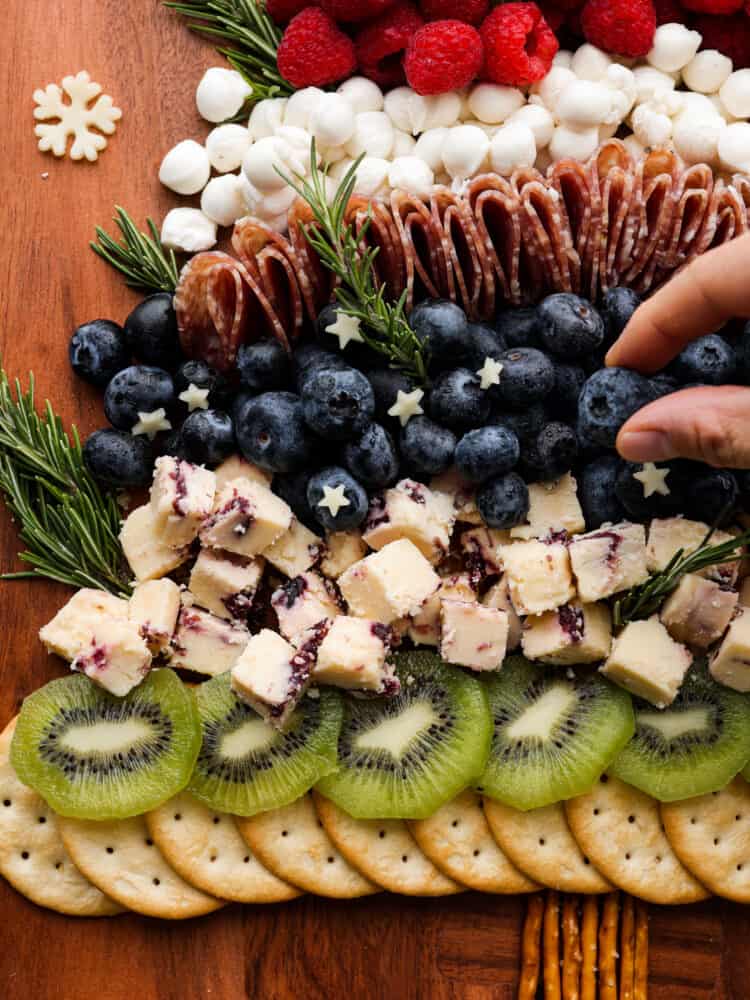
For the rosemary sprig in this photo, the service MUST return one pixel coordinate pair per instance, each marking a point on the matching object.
(342, 250)
(68, 525)
(141, 258)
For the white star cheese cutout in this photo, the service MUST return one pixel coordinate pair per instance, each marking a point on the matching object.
(346, 328)
(489, 373)
(75, 118)
(334, 499)
(151, 423)
(654, 480)
(194, 398)
(407, 406)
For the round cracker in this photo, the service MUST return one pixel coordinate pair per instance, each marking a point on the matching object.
(458, 840)
(385, 851)
(205, 847)
(32, 855)
(292, 844)
(710, 835)
(121, 858)
(539, 843)
(619, 828)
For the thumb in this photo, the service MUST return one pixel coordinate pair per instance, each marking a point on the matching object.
(710, 424)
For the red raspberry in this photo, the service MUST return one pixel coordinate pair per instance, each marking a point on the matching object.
(625, 27)
(283, 11)
(519, 45)
(443, 55)
(730, 35)
(470, 11)
(713, 6)
(355, 10)
(668, 12)
(381, 43)
(313, 51)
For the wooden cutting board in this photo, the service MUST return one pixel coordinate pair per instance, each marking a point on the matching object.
(384, 947)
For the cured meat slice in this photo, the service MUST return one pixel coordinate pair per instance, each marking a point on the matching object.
(547, 226)
(693, 194)
(268, 258)
(615, 182)
(656, 176)
(497, 215)
(426, 271)
(572, 183)
(307, 261)
(464, 267)
(376, 221)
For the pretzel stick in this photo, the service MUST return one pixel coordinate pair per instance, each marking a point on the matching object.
(608, 947)
(627, 949)
(531, 942)
(589, 931)
(640, 987)
(572, 958)
(551, 947)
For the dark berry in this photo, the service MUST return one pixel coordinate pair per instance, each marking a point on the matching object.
(709, 359)
(632, 494)
(664, 385)
(199, 374)
(442, 327)
(292, 487)
(503, 502)
(272, 433)
(519, 327)
(169, 443)
(347, 517)
(569, 380)
(525, 423)
(118, 459)
(743, 355)
(487, 452)
(609, 398)
(208, 437)
(458, 401)
(427, 448)
(569, 326)
(483, 342)
(554, 451)
(263, 366)
(712, 496)
(309, 359)
(386, 384)
(596, 492)
(354, 353)
(528, 376)
(338, 405)
(151, 331)
(137, 389)
(618, 306)
(98, 350)
(371, 457)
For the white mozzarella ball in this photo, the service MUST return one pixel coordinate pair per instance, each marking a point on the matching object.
(720, 109)
(563, 58)
(274, 204)
(735, 93)
(590, 63)
(188, 230)
(250, 195)
(331, 154)
(300, 106)
(372, 177)
(221, 93)
(332, 121)
(443, 110)
(429, 147)
(571, 143)
(697, 140)
(267, 156)
(493, 104)
(465, 150)
(489, 130)
(299, 139)
(373, 135)
(634, 146)
(512, 147)
(362, 94)
(707, 71)
(538, 119)
(266, 117)
(340, 167)
(406, 109)
(694, 105)
(403, 143)
(223, 199)
(621, 82)
(583, 104)
(409, 173)
(226, 145)
(651, 127)
(549, 89)
(279, 223)
(734, 147)
(650, 83)
(673, 47)
(186, 168)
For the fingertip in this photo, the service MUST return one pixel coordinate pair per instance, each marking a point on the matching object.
(644, 446)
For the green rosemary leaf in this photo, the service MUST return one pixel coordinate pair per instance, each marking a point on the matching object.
(139, 257)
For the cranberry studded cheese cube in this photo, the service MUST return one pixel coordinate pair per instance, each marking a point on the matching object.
(731, 662)
(303, 602)
(342, 550)
(498, 596)
(182, 494)
(246, 519)
(482, 550)
(271, 676)
(461, 494)
(296, 551)
(411, 510)
(154, 607)
(538, 575)
(225, 584)
(148, 554)
(389, 584)
(647, 661)
(424, 628)
(236, 467)
(117, 658)
(206, 644)
(609, 560)
(699, 611)
(72, 628)
(473, 636)
(352, 655)
(553, 509)
(666, 536)
(575, 633)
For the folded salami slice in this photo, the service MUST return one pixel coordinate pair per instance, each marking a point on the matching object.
(577, 194)
(374, 221)
(545, 221)
(497, 214)
(268, 257)
(426, 270)
(459, 241)
(307, 262)
(693, 194)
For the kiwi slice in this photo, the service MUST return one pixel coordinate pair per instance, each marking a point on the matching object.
(555, 732)
(695, 746)
(403, 757)
(94, 756)
(245, 766)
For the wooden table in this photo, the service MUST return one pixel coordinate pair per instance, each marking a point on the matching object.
(383, 947)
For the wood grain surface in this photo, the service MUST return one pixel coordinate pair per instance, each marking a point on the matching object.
(382, 947)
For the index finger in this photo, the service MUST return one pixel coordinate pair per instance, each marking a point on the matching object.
(711, 290)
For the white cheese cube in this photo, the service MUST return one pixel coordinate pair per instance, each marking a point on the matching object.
(646, 661)
(498, 596)
(424, 627)
(473, 636)
(609, 560)
(206, 644)
(182, 494)
(225, 584)
(271, 676)
(343, 549)
(462, 495)
(667, 535)
(73, 627)
(539, 577)
(352, 655)
(699, 611)
(147, 553)
(246, 519)
(237, 467)
(154, 607)
(575, 633)
(303, 602)
(411, 510)
(731, 663)
(117, 658)
(553, 508)
(389, 584)
(482, 550)
(296, 551)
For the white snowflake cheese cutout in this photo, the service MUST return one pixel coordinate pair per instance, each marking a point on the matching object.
(76, 117)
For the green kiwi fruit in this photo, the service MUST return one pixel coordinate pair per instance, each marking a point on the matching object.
(245, 766)
(94, 756)
(555, 732)
(695, 746)
(402, 757)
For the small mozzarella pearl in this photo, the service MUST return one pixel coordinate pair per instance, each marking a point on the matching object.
(719, 107)
(276, 203)
(429, 147)
(512, 147)
(298, 138)
(695, 105)
(621, 82)
(634, 146)
(674, 102)
(186, 168)
(226, 145)
(409, 173)
(300, 106)
(266, 117)
(403, 143)
(538, 119)
(372, 177)
(332, 154)
(583, 104)
(188, 230)
(650, 83)
(590, 63)
(279, 223)
(489, 130)
(553, 84)
(223, 199)
(563, 58)
(707, 71)
(674, 46)
(576, 144)
(250, 195)
(443, 110)
(332, 122)
(465, 150)
(697, 140)
(340, 167)
(735, 93)
(493, 104)
(362, 94)
(221, 93)
(734, 147)
(373, 135)
(650, 127)
(406, 109)
(261, 161)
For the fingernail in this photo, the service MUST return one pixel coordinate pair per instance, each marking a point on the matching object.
(645, 446)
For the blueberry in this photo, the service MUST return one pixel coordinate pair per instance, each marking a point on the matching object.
(169, 443)
(709, 359)
(208, 437)
(743, 355)
(525, 423)
(528, 376)
(309, 359)
(272, 433)
(292, 487)
(386, 384)
(134, 390)
(596, 492)
(442, 327)
(632, 495)
(487, 452)
(483, 342)
(263, 366)
(372, 458)
(569, 380)
(618, 305)
(151, 331)
(347, 517)
(503, 502)
(519, 327)
(199, 374)
(664, 385)
(427, 448)
(569, 326)
(98, 350)
(338, 405)
(554, 451)
(712, 496)
(355, 353)
(458, 401)
(117, 458)
(609, 398)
